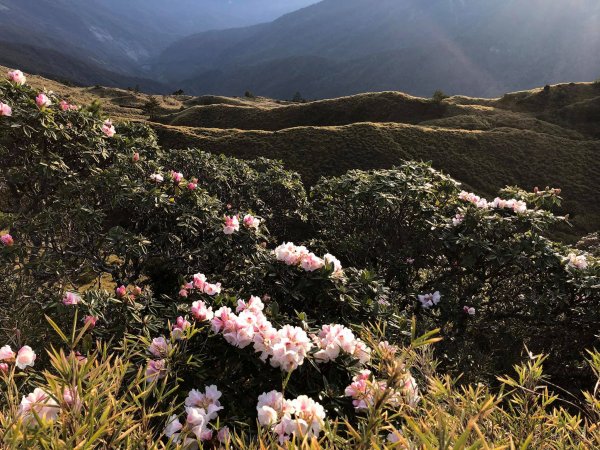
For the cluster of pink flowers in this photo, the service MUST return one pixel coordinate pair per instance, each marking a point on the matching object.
(108, 128)
(42, 101)
(157, 178)
(286, 347)
(156, 369)
(66, 106)
(23, 358)
(518, 206)
(364, 391)
(474, 199)
(176, 176)
(430, 300)
(38, 403)
(16, 77)
(201, 408)
(5, 110)
(159, 347)
(250, 221)
(231, 225)
(122, 293)
(7, 240)
(71, 298)
(200, 285)
(179, 328)
(294, 255)
(301, 417)
(457, 220)
(577, 261)
(90, 321)
(334, 339)
(192, 184)
(469, 310)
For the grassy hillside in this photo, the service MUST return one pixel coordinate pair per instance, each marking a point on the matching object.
(484, 160)
(371, 107)
(532, 138)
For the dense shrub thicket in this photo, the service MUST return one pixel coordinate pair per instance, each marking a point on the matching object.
(163, 301)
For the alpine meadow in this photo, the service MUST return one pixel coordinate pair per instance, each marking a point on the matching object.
(300, 224)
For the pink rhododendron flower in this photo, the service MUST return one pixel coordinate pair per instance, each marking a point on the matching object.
(137, 291)
(179, 328)
(364, 391)
(332, 340)
(212, 289)
(430, 300)
(387, 350)
(176, 176)
(254, 304)
(251, 221)
(71, 298)
(199, 280)
(457, 219)
(232, 225)
(135, 157)
(224, 435)
(577, 261)
(79, 357)
(271, 407)
(25, 357)
(311, 262)
(293, 255)
(42, 101)
(310, 412)
(300, 417)
(40, 404)
(17, 77)
(469, 310)
(474, 199)
(5, 110)
(7, 240)
(3, 368)
(173, 428)
(264, 338)
(156, 370)
(121, 291)
(90, 321)
(207, 401)
(220, 318)
(183, 293)
(72, 398)
(290, 349)
(63, 105)
(201, 312)
(193, 184)
(159, 347)
(331, 260)
(239, 330)
(6, 353)
(108, 128)
(157, 178)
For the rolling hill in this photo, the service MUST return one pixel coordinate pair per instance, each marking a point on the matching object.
(542, 137)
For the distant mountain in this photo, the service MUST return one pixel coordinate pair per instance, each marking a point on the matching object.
(340, 47)
(116, 35)
(59, 66)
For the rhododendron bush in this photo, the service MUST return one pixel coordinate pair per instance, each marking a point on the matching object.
(179, 299)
